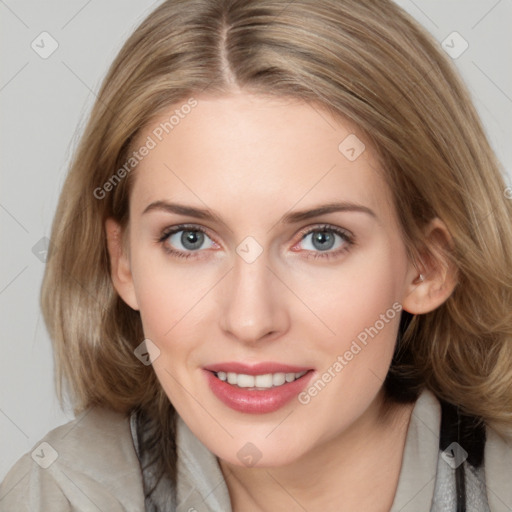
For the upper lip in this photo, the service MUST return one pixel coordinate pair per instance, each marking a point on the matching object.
(255, 369)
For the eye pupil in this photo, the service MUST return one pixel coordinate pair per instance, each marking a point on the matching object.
(192, 239)
(324, 238)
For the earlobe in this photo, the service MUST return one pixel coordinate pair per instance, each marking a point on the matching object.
(433, 279)
(120, 268)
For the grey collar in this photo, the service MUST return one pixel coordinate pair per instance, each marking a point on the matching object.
(425, 482)
(201, 485)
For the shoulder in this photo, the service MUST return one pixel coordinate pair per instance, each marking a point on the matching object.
(498, 469)
(87, 464)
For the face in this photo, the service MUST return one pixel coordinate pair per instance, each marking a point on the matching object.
(275, 317)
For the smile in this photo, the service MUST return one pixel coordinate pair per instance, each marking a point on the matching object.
(258, 382)
(258, 388)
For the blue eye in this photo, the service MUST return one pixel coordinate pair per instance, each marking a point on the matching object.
(191, 240)
(185, 241)
(323, 241)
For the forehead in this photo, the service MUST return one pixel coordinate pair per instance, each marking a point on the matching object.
(246, 151)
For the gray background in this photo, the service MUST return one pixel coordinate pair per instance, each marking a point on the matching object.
(44, 103)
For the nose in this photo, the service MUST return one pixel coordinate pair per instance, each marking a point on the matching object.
(253, 302)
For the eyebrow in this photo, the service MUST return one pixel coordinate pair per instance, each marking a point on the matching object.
(288, 218)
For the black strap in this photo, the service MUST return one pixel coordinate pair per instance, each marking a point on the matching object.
(469, 433)
(160, 493)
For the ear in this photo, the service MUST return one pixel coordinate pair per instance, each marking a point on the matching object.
(433, 280)
(120, 263)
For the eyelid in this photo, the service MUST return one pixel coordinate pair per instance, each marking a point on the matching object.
(170, 230)
(325, 227)
(166, 232)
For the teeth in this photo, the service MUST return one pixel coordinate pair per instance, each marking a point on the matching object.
(265, 381)
(278, 379)
(245, 381)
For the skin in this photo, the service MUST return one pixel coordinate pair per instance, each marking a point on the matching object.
(251, 159)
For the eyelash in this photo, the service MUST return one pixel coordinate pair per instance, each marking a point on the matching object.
(347, 237)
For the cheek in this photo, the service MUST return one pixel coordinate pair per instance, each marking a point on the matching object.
(363, 312)
(362, 295)
(168, 298)
(159, 306)
(167, 293)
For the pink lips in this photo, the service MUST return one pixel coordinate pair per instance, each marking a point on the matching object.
(255, 401)
(255, 369)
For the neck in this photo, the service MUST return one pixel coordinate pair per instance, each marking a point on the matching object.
(343, 474)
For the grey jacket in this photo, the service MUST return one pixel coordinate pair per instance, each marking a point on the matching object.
(92, 464)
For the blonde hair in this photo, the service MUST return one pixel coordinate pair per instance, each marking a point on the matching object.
(362, 60)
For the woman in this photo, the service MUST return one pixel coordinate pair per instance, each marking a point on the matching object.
(280, 274)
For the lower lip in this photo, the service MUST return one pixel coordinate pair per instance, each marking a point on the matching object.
(256, 401)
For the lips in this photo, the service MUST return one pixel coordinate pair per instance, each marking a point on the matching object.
(235, 385)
